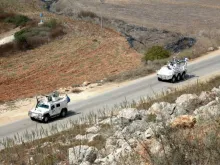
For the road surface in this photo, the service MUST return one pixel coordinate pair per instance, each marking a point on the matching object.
(133, 90)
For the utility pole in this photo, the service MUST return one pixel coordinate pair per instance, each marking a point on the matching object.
(102, 2)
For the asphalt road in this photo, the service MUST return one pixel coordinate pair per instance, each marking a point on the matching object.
(133, 90)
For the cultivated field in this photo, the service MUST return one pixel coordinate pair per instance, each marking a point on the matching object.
(189, 16)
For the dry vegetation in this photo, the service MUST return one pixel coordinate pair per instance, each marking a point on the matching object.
(75, 58)
(197, 19)
(85, 51)
(202, 141)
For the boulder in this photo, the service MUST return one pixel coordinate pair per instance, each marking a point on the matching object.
(135, 129)
(121, 122)
(94, 129)
(83, 153)
(85, 163)
(148, 133)
(187, 102)
(211, 49)
(86, 83)
(110, 145)
(162, 110)
(130, 114)
(162, 107)
(184, 121)
(206, 97)
(93, 85)
(90, 137)
(209, 111)
(216, 91)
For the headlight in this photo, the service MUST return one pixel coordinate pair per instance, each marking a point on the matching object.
(40, 115)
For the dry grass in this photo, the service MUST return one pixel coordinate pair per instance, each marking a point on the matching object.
(53, 149)
(75, 58)
(49, 150)
(170, 97)
(187, 16)
(85, 51)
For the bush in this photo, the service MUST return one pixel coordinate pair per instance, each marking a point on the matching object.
(31, 37)
(52, 23)
(17, 20)
(156, 53)
(21, 36)
(58, 31)
(4, 49)
(151, 118)
(84, 14)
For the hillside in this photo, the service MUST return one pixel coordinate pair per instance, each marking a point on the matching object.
(179, 127)
(196, 19)
(76, 57)
(114, 51)
(189, 16)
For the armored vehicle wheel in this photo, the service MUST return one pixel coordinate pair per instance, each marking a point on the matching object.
(173, 80)
(46, 118)
(159, 79)
(63, 113)
(183, 76)
(178, 77)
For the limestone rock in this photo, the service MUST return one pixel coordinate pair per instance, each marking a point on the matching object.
(83, 153)
(130, 114)
(94, 129)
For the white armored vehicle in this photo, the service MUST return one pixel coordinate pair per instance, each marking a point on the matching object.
(174, 71)
(49, 107)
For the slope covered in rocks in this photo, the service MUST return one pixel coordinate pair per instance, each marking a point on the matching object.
(181, 127)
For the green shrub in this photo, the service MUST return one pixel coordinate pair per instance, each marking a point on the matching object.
(52, 23)
(83, 14)
(17, 20)
(151, 118)
(156, 53)
(21, 36)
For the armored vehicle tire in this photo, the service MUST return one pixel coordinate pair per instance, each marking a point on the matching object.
(178, 77)
(32, 118)
(46, 118)
(159, 79)
(173, 80)
(183, 76)
(63, 113)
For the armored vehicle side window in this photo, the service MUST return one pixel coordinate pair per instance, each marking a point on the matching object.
(52, 107)
(58, 105)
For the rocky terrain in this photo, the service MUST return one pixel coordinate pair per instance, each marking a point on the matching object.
(146, 132)
(183, 130)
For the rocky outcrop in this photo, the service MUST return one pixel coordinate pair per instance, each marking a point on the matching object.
(130, 114)
(136, 131)
(82, 155)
